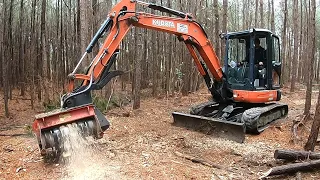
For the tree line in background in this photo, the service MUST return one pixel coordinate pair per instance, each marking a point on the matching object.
(41, 42)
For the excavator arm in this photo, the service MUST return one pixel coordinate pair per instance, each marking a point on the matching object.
(123, 17)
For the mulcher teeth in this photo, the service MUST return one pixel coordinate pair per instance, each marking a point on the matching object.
(53, 140)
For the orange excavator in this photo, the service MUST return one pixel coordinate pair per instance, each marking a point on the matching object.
(244, 89)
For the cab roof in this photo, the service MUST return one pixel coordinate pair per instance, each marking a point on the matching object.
(249, 31)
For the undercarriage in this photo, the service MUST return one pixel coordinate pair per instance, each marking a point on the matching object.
(231, 120)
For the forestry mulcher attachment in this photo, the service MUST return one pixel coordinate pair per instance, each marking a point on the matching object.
(243, 90)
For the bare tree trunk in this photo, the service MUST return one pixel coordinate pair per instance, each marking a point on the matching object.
(311, 59)
(78, 32)
(289, 50)
(134, 57)
(306, 48)
(39, 64)
(94, 23)
(186, 64)
(186, 74)
(284, 44)
(295, 56)
(249, 14)
(43, 51)
(314, 129)
(244, 15)
(21, 52)
(1, 49)
(316, 123)
(145, 62)
(269, 15)
(249, 22)
(318, 71)
(84, 27)
(61, 47)
(10, 55)
(302, 40)
(1, 43)
(154, 61)
(272, 16)
(32, 51)
(137, 76)
(155, 67)
(216, 28)
(5, 60)
(224, 27)
(256, 13)
(170, 60)
(261, 14)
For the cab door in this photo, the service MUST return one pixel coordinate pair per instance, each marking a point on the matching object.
(276, 63)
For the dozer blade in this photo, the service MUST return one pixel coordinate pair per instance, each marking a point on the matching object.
(51, 128)
(212, 126)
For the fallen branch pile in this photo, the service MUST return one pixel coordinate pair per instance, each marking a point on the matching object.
(311, 162)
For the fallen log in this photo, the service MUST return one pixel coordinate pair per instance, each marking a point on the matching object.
(292, 168)
(292, 155)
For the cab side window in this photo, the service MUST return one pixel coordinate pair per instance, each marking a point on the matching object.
(276, 52)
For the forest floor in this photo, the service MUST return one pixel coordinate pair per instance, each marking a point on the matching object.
(144, 144)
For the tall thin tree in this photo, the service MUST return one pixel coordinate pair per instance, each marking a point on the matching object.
(224, 26)
(284, 43)
(261, 15)
(311, 58)
(295, 52)
(137, 75)
(272, 17)
(216, 28)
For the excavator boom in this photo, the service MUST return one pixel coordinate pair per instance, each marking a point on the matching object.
(124, 16)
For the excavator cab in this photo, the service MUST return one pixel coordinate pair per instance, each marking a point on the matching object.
(252, 61)
(252, 70)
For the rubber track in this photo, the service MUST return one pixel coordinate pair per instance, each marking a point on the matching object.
(259, 118)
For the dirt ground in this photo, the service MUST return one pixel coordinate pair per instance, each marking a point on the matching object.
(145, 144)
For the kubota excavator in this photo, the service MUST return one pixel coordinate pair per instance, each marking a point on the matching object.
(243, 90)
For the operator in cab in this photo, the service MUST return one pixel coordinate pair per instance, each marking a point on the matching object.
(260, 58)
(259, 54)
